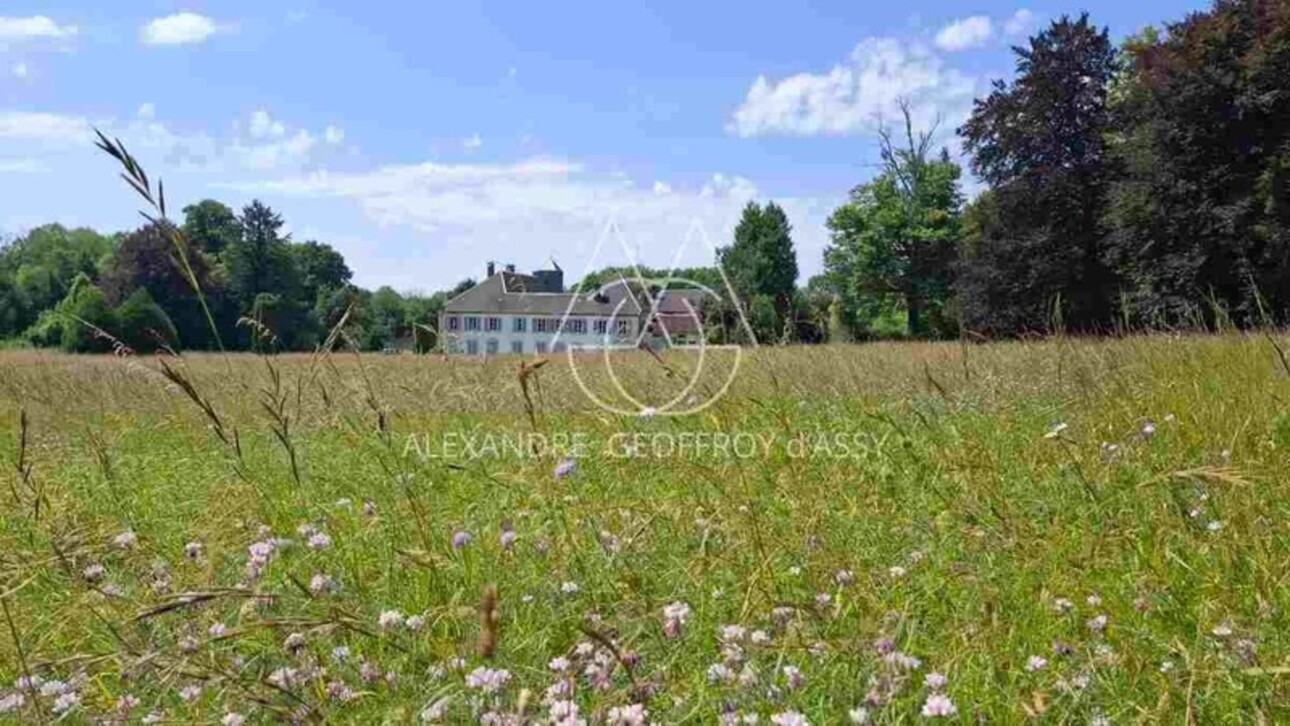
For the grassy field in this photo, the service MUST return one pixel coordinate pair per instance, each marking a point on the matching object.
(1065, 532)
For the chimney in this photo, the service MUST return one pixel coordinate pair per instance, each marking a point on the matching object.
(492, 268)
(511, 268)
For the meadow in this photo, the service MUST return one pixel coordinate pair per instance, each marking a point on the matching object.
(1059, 531)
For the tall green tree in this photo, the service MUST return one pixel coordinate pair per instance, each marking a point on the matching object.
(1041, 143)
(894, 242)
(211, 226)
(761, 262)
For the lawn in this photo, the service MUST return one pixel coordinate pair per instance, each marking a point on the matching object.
(1064, 531)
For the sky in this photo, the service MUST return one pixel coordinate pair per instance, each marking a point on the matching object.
(422, 139)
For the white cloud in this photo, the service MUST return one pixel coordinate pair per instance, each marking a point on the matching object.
(1020, 23)
(967, 33)
(472, 143)
(36, 26)
(264, 126)
(662, 187)
(178, 29)
(147, 111)
(20, 69)
(51, 127)
(853, 97)
(334, 135)
(22, 166)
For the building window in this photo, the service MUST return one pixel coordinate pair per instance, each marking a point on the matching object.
(559, 347)
(601, 326)
(493, 324)
(624, 328)
(454, 322)
(521, 324)
(545, 325)
(576, 325)
(472, 347)
(517, 346)
(539, 347)
(491, 346)
(472, 323)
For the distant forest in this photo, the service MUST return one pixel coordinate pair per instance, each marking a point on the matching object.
(1145, 186)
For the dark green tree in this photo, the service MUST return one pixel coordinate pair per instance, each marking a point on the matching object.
(894, 243)
(143, 325)
(761, 260)
(1041, 144)
(211, 226)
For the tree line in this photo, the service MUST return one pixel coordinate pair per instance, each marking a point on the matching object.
(1144, 186)
(83, 291)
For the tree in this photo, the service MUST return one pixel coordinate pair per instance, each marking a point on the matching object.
(262, 276)
(42, 265)
(383, 318)
(894, 243)
(81, 321)
(1200, 223)
(146, 260)
(211, 226)
(144, 326)
(1041, 144)
(761, 260)
(319, 267)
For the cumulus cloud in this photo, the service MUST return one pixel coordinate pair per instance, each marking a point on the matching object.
(853, 97)
(47, 127)
(262, 125)
(34, 27)
(178, 29)
(966, 33)
(334, 134)
(1020, 23)
(472, 142)
(20, 70)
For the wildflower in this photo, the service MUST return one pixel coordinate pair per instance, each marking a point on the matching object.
(1061, 648)
(94, 572)
(1222, 630)
(460, 539)
(488, 680)
(935, 681)
(844, 577)
(822, 598)
(859, 715)
(188, 644)
(125, 540)
(193, 550)
(648, 412)
(789, 718)
(559, 664)
(12, 702)
(321, 584)
(1036, 662)
(633, 715)
(190, 693)
(390, 620)
(319, 541)
(792, 677)
(369, 507)
(1214, 526)
(896, 571)
(1246, 649)
(127, 703)
(415, 622)
(294, 641)
(720, 673)
(1062, 605)
(65, 702)
(569, 588)
(1093, 600)
(340, 653)
(508, 539)
(338, 691)
(938, 704)
(884, 645)
(282, 677)
(233, 719)
(565, 468)
(369, 672)
(216, 630)
(1166, 666)
(435, 711)
(112, 590)
(902, 661)
(732, 633)
(1096, 624)
(306, 529)
(759, 637)
(675, 616)
(1055, 430)
(1141, 604)
(562, 711)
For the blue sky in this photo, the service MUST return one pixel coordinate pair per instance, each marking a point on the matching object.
(423, 138)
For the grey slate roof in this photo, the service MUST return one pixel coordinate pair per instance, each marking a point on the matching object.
(504, 294)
